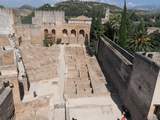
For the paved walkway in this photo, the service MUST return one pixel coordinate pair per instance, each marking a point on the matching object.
(61, 73)
(59, 111)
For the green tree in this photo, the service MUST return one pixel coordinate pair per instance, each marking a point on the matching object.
(112, 27)
(135, 17)
(1, 6)
(45, 7)
(155, 36)
(97, 30)
(140, 41)
(157, 24)
(123, 31)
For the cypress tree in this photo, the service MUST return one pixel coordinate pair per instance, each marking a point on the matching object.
(93, 27)
(97, 30)
(123, 31)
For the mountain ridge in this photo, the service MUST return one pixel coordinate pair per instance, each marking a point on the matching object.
(77, 8)
(147, 7)
(26, 6)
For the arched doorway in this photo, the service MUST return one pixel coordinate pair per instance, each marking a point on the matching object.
(53, 32)
(73, 33)
(45, 31)
(65, 33)
(47, 38)
(81, 37)
(81, 33)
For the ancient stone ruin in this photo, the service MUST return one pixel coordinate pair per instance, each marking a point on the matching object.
(46, 72)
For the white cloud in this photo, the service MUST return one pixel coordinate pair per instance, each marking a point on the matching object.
(131, 4)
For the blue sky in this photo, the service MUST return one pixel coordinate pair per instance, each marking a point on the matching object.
(131, 3)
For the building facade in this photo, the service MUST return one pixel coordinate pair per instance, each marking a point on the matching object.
(52, 25)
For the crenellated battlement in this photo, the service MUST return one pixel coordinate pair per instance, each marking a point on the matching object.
(6, 11)
(53, 17)
(6, 21)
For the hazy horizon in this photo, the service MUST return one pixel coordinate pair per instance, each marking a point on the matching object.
(36, 3)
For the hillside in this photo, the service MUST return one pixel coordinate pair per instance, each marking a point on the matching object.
(153, 8)
(77, 8)
(1, 6)
(28, 7)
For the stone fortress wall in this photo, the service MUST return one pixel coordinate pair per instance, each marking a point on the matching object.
(115, 64)
(6, 21)
(135, 78)
(12, 70)
(6, 25)
(142, 95)
(52, 17)
(10, 95)
(76, 30)
(6, 66)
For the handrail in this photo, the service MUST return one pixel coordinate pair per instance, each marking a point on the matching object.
(124, 52)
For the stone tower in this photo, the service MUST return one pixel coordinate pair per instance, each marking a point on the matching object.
(106, 18)
(107, 14)
(48, 17)
(6, 21)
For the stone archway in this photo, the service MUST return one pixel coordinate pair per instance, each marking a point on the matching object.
(65, 33)
(65, 38)
(53, 36)
(45, 32)
(73, 33)
(82, 33)
(47, 38)
(53, 32)
(81, 37)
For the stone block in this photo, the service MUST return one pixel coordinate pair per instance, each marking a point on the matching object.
(8, 58)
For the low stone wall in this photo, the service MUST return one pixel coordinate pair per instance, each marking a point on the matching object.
(6, 105)
(115, 66)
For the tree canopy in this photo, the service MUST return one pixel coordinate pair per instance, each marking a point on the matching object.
(132, 31)
(123, 30)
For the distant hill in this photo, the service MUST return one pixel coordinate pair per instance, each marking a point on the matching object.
(77, 8)
(28, 7)
(1, 6)
(148, 7)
